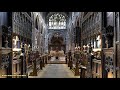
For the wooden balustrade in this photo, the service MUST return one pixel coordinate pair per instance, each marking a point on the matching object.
(97, 68)
(66, 59)
(70, 62)
(83, 71)
(77, 69)
(34, 57)
(34, 68)
(46, 59)
(41, 62)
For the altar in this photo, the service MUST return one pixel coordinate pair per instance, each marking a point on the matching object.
(57, 53)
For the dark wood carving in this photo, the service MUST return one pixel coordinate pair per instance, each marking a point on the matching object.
(108, 57)
(32, 57)
(109, 64)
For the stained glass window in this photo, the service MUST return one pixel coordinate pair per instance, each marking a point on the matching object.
(57, 21)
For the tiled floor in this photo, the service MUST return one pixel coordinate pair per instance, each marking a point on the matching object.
(55, 71)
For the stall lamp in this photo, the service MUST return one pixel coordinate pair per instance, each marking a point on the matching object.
(78, 47)
(29, 45)
(98, 38)
(16, 49)
(88, 46)
(21, 54)
(84, 46)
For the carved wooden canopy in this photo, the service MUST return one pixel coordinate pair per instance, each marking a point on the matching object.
(110, 30)
(57, 40)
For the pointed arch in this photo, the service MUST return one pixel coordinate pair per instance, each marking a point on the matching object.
(36, 22)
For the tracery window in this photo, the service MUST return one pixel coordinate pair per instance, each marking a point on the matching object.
(57, 21)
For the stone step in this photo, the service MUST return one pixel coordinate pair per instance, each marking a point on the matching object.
(56, 62)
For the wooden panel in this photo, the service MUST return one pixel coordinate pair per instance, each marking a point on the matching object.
(0, 44)
(97, 66)
(108, 52)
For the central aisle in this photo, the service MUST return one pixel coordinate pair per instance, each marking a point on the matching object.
(55, 71)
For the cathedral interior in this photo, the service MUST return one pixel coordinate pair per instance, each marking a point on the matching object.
(59, 45)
